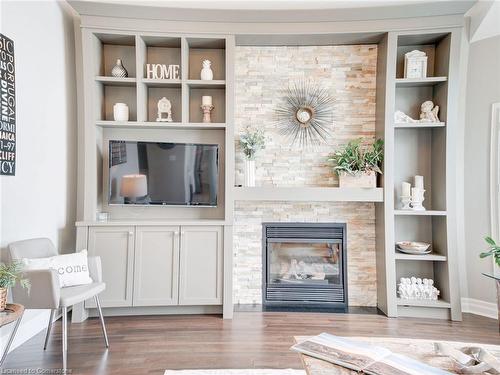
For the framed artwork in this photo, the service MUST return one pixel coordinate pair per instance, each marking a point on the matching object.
(7, 107)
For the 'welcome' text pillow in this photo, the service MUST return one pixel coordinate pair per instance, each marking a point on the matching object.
(73, 269)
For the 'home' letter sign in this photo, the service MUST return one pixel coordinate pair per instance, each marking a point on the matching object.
(7, 108)
(162, 71)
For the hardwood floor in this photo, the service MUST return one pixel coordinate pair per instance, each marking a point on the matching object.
(149, 345)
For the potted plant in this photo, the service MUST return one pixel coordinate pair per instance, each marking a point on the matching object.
(357, 165)
(251, 142)
(10, 274)
(494, 251)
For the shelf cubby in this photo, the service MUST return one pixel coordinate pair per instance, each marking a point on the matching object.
(218, 95)
(172, 94)
(207, 49)
(109, 48)
(421, 152)
(436, 47)
(117, 94)
(162, 50)
(430, 229)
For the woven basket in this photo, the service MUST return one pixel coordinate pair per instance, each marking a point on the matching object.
(3, 298)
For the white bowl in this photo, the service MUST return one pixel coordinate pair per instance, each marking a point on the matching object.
(420, 247)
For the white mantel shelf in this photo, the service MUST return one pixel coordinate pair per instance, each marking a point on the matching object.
(308, 194)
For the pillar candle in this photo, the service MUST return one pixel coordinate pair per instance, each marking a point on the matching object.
(405, 189)
(206, 100)
(419, 182)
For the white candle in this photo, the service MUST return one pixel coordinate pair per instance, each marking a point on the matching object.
(206, 100)
(405, 189)
(419, 182)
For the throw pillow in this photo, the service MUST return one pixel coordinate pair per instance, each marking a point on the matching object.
(72, 269)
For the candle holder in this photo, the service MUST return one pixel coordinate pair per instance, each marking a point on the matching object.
(206, 112)
(406, 203)
(417, 198)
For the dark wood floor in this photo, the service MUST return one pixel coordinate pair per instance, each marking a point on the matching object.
(149, 345)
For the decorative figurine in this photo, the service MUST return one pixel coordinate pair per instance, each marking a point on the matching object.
(401, 117)
(429, 112)
(119, 70)
(415, 64)
(164, 107)
(206, 72)
(207, 107)
(417, 289)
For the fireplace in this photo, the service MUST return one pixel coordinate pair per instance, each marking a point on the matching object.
(304, 265)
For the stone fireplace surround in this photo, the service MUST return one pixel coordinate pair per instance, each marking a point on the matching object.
(349, 72)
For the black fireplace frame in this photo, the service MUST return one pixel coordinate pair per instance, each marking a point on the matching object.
(293, 305)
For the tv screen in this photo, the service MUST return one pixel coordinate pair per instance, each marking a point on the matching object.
(152, 173)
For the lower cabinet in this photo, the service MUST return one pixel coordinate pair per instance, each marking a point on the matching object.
(201, 266)
(115, 246)
(158, 265)
(156, 268)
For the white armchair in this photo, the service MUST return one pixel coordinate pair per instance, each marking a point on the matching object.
(46, 292)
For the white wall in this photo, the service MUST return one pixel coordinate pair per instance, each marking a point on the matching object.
(40, 200)
(483, 89)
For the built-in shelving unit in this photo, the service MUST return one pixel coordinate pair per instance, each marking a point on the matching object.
(424, 149)
(308, 194)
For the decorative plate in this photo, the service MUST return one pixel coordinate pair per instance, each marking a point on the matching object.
(410, 247)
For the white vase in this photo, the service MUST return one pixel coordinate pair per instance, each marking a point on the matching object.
(120, 112)
(250, 173)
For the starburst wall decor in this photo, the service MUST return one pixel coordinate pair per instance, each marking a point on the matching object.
(306, 115)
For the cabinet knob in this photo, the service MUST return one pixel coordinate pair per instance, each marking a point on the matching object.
(130, 233)
(176, 233)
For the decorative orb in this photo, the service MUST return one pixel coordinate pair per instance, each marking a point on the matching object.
(304, 115)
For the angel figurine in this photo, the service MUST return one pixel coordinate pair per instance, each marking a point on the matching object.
(429, 112)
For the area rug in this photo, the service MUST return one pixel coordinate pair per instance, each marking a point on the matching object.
(237, 372)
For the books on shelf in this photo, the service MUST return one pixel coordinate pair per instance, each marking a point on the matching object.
(362, 357)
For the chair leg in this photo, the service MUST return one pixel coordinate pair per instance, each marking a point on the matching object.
(49, 328)
(65, 337)
(105, 334)
(11, 339)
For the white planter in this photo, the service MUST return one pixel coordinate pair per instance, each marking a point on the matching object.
(120, 112)
(361, 180)
(249, 172)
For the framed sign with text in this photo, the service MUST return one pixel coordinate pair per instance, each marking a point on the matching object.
(7, 108)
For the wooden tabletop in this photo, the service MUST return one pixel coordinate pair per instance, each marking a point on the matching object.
(421, 350)
(12, 312)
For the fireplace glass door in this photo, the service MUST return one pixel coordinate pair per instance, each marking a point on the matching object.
(304, 265)
(308, 262)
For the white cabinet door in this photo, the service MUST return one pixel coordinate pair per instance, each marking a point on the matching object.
(156, 271)
(201, 265)
(115, 246)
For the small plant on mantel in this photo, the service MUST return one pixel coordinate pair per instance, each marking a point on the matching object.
(10, 274)
(357, 164)
(251, 142)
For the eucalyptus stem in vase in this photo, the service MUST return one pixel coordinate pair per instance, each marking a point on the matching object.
(251, 141)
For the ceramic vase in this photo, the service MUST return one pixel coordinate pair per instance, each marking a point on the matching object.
(3, 298)
(119, 70)
(250, 173)
(120, 112)
(206, 72)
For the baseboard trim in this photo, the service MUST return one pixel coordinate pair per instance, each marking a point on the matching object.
(478, 307)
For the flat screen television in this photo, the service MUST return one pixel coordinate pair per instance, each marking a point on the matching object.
(153, 173)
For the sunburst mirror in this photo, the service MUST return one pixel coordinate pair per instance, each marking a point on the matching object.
(305, 116)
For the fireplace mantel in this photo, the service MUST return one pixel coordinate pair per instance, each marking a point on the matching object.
(311, 194)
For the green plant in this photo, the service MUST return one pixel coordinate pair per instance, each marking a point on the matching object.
(354, 158)
(251, 142)
(493, 250)
(12, 273)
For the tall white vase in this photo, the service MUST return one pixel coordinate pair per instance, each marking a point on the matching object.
(249, 172)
